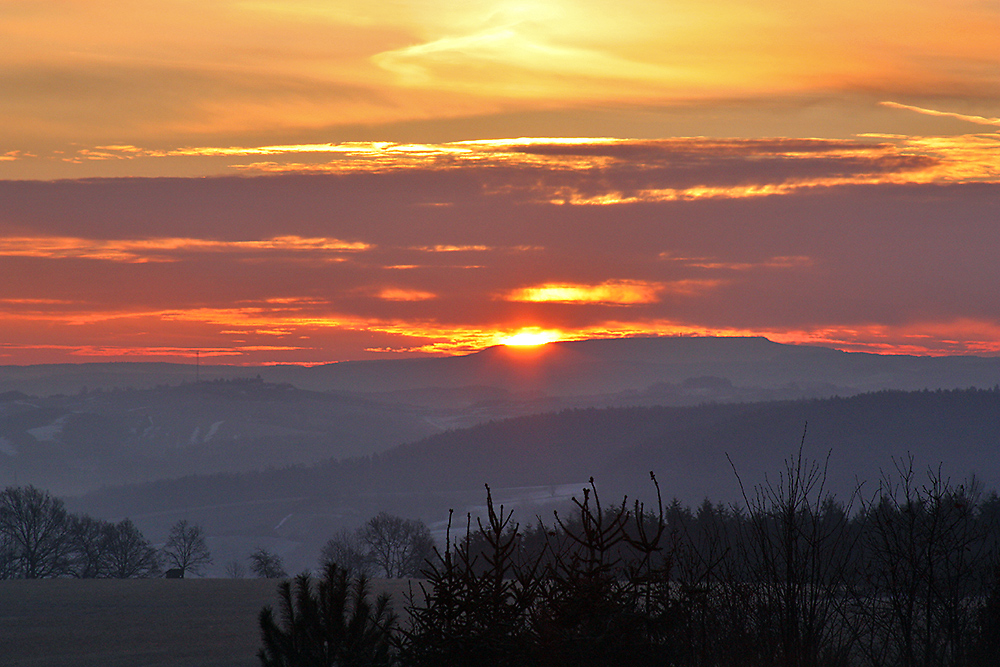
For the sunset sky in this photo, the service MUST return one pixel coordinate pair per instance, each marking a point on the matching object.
(313, 181)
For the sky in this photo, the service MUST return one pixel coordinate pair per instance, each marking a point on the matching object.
(259, 182)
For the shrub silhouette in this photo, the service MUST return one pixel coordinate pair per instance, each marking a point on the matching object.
(794, 578)
(476, 610)
(591, 595)
(331, 624)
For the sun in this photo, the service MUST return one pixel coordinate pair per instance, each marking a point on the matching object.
(531, 338)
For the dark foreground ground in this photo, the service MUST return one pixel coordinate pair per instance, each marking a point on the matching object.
(137, 623)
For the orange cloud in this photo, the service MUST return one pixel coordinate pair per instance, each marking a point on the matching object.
(159, 249)
(617, 292)
(10, 156)
(300, 336)
(781, 262)
(398, 294)
(789, 254)
(453, 248)
(605, 171)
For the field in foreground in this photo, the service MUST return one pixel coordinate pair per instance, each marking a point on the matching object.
(137, 622)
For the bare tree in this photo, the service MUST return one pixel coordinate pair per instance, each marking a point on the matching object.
(267, 564)
(397, 546)
(797, 546)
(924, 555)
(127, 554)
(87, 537)
(235, 569)
(35, 524)
(8, 557)
(347, 551)
(185, 548)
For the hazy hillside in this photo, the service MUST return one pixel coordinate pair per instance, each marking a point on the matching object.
(559, 369)
(537, 460)
(73, 428)
(69, 444)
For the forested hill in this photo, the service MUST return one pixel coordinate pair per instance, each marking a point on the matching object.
(688, 448)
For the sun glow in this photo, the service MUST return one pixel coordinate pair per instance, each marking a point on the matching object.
(531, 338)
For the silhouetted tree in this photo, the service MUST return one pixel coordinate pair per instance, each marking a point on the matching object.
(926, 557)
(795, 546)
(8, 557)
(87, 538)
(235, 569)
(397, 546)
(347, 551)
(185, 548)
(267, 564)
(331, 624)
(35, 524)
(470, 613)
(126, 554)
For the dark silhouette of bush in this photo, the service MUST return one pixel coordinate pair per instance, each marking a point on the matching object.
(470, 615)
(793, 578)
(346, 549)
(596, 593)
(330, 624)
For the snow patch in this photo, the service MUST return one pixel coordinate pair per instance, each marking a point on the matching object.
(198, 439)
(212, 430)
(49, 432)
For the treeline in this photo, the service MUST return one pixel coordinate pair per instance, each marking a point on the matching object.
(39, 539)
(903, 576)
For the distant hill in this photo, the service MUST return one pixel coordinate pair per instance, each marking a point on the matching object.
(535, 461)
(576, 368)
(71, 444)
(75, 427)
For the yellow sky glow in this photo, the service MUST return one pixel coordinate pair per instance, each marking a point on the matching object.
(119, 73)
(433, 177)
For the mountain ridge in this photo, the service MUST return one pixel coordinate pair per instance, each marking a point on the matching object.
(566, 368)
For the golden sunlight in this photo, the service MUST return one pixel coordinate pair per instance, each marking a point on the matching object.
(609, 292)
(531, 338)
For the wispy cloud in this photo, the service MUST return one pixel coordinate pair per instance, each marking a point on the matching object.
(401, 294)
(790, 262)
(602, 171)
(802, 239)
(453, 248)
(160, 249)
(254, 74)
(979, 120)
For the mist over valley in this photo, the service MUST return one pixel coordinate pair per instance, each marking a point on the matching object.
(259, 460)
